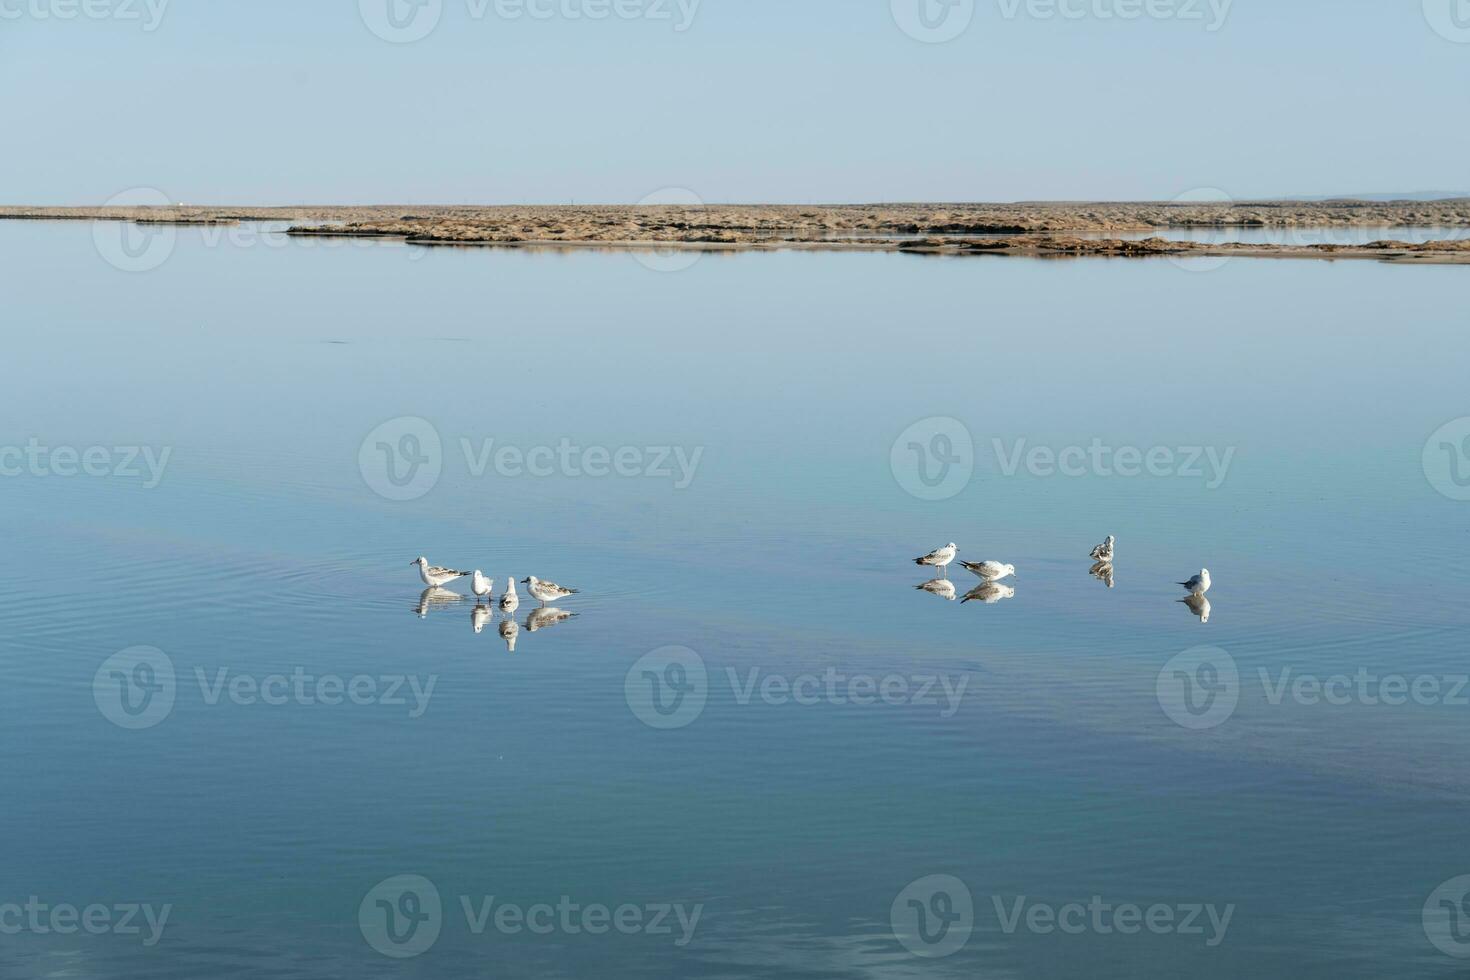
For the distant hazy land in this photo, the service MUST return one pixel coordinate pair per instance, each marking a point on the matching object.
(1030, 228)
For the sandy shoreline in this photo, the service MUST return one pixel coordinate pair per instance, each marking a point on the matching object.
(1031, 229)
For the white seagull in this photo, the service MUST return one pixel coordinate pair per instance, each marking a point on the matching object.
(1200, 584)
(989, 570)
(436, 575)
(509, 601)
(939, 557)
(941, 587)
(481, 586)
(1104, 551)
(546, 591)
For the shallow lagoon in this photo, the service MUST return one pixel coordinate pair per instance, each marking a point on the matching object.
(270, 547)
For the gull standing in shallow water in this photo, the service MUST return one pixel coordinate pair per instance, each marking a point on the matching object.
(989, 570)
(939, 557)
(1200, 584)
(509, 601)
(545, 591)
(1104, 551)
(481, 586)
(436, 575)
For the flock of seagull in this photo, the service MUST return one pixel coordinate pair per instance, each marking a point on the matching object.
(991, 589)
(437, 576)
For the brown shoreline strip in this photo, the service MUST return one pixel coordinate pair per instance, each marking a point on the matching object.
(1040, 229)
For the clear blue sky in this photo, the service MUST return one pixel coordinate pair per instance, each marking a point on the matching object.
(297, 101)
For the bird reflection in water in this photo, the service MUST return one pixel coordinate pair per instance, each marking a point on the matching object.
(435, 598)
(941, 587)
(1103, 572)
(990, 593)
(1198, 605)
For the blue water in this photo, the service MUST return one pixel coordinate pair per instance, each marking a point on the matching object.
(265, 548)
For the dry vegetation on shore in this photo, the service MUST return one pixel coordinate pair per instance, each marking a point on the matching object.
(1040, 228)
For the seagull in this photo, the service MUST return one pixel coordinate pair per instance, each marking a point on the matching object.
(990, 593)
(989, 570)
(545, 591)
(436, 575)
(509, 630)
(1200, 584)
(941, 587)
(479, 616)
(1104, 551)
(509, 601)
(1103, 572)
(940, 557)
(546, 617)
(481, 586)
(1198, 605)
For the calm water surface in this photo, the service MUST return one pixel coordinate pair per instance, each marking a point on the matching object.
(269, 546)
